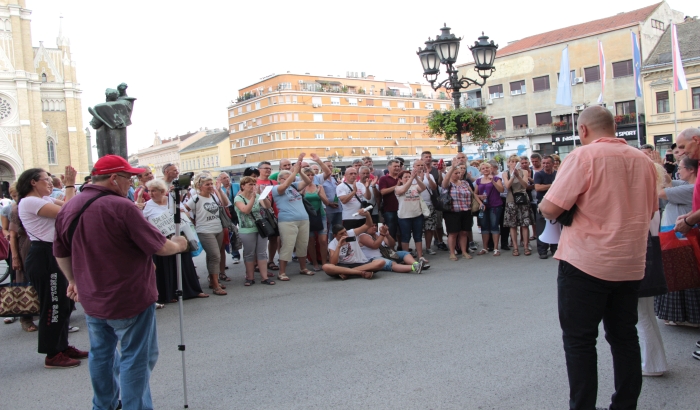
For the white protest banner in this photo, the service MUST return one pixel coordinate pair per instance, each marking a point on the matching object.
(165, 223)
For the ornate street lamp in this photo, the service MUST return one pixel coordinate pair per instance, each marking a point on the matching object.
(444, 49)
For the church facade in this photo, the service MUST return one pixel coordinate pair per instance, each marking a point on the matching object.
(40, 107)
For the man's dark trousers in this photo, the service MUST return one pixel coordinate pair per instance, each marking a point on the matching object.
(583, 302)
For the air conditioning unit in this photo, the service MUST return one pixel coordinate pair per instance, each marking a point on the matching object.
(359, 99)
(381, 148)
(578, 80)
(349, 137)
(580, 107)
(388, 108)
(301, 81)
(403, 109)
(353, 150)
(489, 101)
(315, 105)
(328, 148)
(269, 89)
(367, 148)
(408, 132)
(529, 131)
(535, 147)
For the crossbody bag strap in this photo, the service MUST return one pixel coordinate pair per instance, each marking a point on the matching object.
(74, 223)
(356, 197)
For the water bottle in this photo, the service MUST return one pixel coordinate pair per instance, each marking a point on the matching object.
(482, 208)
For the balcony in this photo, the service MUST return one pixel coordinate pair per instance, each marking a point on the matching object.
(563, 126)
(629, 119)
(475, 103)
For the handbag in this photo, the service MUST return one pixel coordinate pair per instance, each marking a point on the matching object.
(389, 253)
(444, 203)
(567, 217)
(475, 206)
(363, 203)
(424, 208)
(18, 299)
(307, 205)
(680, 256)
(265, 228)
(520, 198)
(224, 217)
(4, 247)
(654, 282)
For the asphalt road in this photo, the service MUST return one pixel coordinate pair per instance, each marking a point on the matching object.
(479, 334)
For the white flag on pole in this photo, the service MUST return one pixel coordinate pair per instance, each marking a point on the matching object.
(564, 83)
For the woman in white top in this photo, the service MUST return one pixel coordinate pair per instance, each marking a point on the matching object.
(410, 213)
(205, 206)
(166, 267)
(37, 212)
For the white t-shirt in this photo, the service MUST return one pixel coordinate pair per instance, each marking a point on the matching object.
(409, 203)
(369, 252)
(207, 213)
(350, 252)
(39, 228)
(353, 205)
(426, 181)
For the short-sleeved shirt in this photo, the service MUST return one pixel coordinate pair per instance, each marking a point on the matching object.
(290, 205)
(6, 210)
(351, 252)
(696, 195)
(680, 200)
(409, 203)
(614, 188)
(543, 178)
(206, 214)
(329, 188)
(491, 192)
(39, 228)
(353, 205)
(426, 192)
(391, 203)
(111, 254)
(246, 222)
(461, 196)
(146, 195)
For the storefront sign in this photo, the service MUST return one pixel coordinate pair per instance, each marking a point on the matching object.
(662, 139)
(560, 140)
(630, 133)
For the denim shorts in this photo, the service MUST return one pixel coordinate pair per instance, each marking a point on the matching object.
(388, 263)
(411, 225)
(492, 217)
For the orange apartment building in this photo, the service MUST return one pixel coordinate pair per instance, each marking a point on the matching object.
(344, 118)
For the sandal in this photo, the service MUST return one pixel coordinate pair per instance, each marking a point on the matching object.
(467, 256)
(367, 275)
(306, 272)
(342, 276)
(527, 251)
(222, 276)
(483, 252)
(29, 326)
(272, 266)
(10, 320)
(267, 282)
(453, 258)
(220, 292)
(220, 285)
(249, 282)
(203, 295)
(160, 306)
(283, 277)
(516, 252)
(496, 252)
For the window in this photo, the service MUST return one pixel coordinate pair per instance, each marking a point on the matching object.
(316, 101)
(260, 139)
(496, 91)
(625, 108)
(662, 104)
(232, 114)
(517, 87)
(290, 116)
(284, 86)
(370, 118)
(51, 150)
(540, 83)
(622, 69)
(443, 107)
(401, 104)
(386, 104)
(240, 110)
(294, 99)
(428, 106)
(657, 24)
(416, 104)
(248, 107)
(257, 105)
(318, 117)
(402, 120)
(335, 100)
(387, 119)
(352, 101)
(335, 117)
(696, 98)
(417, 120)
(519, 121)
(296, 116)
(43, 77)
(543, 118)
(319, 136)
(591, 74)
(258, 121)
(353, 117)
(369, 102)
(283, 136)
(250, 142)
(499, 124)
(288, 99)
(240, 126)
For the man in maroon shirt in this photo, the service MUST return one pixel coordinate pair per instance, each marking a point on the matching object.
(107, 262)
(390, 203)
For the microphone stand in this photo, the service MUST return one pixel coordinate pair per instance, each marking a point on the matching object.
(178, 292)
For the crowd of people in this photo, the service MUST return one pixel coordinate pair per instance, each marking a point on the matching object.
(347, 225)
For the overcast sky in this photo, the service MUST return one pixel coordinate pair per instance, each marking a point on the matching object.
(185, 61)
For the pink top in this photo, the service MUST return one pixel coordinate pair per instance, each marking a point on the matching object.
(696, 195)
(614, 188)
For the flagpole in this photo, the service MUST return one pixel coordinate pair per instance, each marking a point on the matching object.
(636, 114)
(573, 124)
(675, 116)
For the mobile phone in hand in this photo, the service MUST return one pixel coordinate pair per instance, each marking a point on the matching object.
(351, 239)
(669, 157)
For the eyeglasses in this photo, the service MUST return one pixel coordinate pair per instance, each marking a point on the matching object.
(119, 175)
(265, 168)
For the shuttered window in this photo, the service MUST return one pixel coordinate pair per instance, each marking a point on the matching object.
(369, 102)
(540, 83)
(543, 118)
(592, 74)
(499, 124)
(336, 117)
(622, 69)
(387, 118)
(662, 103)
(517, 87)
(370, 118)
(496, 91)
(353, 117)
(520, 121)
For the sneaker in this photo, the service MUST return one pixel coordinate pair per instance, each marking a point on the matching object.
(417, 267)
(543, 256)
(236, 261)
(442, 246)
(74, 353)
(73, 329)
(697, 343)
(60, 361)
(426, 264)
(430, 252)
(696, 354)
(472, 246)
(652, 374)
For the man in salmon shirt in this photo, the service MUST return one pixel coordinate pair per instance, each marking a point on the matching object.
(602, 255)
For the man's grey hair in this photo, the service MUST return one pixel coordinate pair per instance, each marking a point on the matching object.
(362, 168)
(536, 155)
(647, 146)
(689, 133)
(264, 163)
(356, 161)
(392, 161)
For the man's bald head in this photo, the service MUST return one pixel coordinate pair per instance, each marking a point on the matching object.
(596, 122)
(688, 134)
(688, 143)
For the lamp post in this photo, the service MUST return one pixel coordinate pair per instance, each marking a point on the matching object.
(444, 49)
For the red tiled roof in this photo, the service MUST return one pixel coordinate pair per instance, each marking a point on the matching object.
(580, 30)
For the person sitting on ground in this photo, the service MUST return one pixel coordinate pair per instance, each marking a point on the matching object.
(346, 256)
(370, 243)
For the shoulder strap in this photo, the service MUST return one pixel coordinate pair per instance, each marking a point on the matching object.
(356, 197)
(74, 223)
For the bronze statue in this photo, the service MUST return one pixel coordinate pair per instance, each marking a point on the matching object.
(110, 119)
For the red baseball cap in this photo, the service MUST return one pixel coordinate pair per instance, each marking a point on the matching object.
(109, 164)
